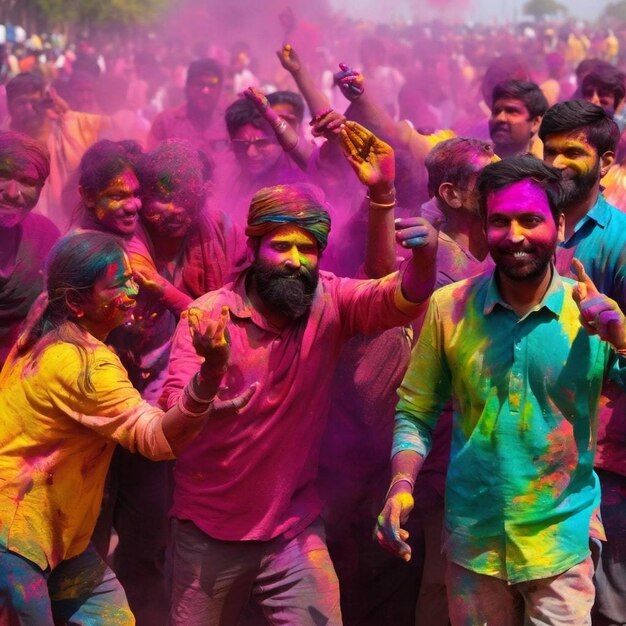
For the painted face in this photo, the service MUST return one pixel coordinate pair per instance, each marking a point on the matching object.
(257, 152)
(510, 124)
(521, 232)
(20, 188)
(169, 215)
(285, 270)
(599, 95)
(289, 247)
(117, 205)
(111, 301)
(578, 161)
(27, 111)
(203, 93)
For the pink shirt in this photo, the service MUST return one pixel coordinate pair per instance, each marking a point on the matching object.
(250, 475)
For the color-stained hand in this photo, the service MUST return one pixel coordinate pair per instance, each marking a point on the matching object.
(599, 314)
(417, 234)
(371, 158)
(212, 344)
(387, 531)
(233, 405)
(289, 59)
(152, 282)
(350, 82)
(258, 98)
(328, 124)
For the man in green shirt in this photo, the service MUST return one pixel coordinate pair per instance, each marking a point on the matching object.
(523, 353)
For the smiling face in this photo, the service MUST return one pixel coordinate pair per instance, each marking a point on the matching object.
(169, 215)
(521, 232)
(117, 205)
(511, 127)
(20, 188)
(110, 302)
(581, 166)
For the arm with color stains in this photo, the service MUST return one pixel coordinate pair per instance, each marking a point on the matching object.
(315, 99)
(424, 391)
(286, 135)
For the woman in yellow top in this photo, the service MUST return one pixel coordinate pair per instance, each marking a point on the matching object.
(65, 401)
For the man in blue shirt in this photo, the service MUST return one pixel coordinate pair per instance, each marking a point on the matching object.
(580, 140)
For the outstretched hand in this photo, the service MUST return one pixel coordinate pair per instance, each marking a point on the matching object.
(371, 158)
(213, 344)
(350, 82)
(289, 58)
(599, 314)
(417, 232)
(388, 532)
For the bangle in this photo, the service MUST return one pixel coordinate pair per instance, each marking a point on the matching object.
(398, 478)
(191, 392)
(380, 205)
(188, 412)
(292, 146)
(280, 127)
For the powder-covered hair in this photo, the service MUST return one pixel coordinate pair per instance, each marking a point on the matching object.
(173, 167)
(599, 128)
(507, 172)
(73, 266)
(454, 161)
(18, 151)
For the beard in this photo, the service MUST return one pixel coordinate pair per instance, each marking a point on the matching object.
(290, 292)
(539, 258)
(577, 188)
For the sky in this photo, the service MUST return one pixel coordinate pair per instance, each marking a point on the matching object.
(477, 10)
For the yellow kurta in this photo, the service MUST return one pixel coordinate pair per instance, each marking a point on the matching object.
(56, 444)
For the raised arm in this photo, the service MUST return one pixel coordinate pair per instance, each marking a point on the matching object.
(287, 137)
(315, 99)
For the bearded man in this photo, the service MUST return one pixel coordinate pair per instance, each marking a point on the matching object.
(246, 511)
(580, 139)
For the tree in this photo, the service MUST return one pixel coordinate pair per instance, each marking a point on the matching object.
(539, 9)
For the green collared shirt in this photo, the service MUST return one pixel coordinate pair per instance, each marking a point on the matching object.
(521, 487)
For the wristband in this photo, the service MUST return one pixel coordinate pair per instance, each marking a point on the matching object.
(192, 393)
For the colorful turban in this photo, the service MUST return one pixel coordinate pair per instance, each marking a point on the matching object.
(300, 204)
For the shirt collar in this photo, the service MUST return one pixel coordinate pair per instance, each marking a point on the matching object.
(599, 213)
(552, 299)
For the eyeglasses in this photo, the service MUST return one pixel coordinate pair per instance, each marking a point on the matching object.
(262, 143)
(210, 83)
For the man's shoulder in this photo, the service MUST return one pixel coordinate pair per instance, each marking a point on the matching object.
(462, 290)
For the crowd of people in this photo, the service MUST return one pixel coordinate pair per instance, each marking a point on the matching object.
(418, 419)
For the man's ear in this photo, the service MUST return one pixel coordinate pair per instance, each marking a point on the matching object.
(450, 195)
(251, 250)
(606, 161)
(560, 227)
(535, 123)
